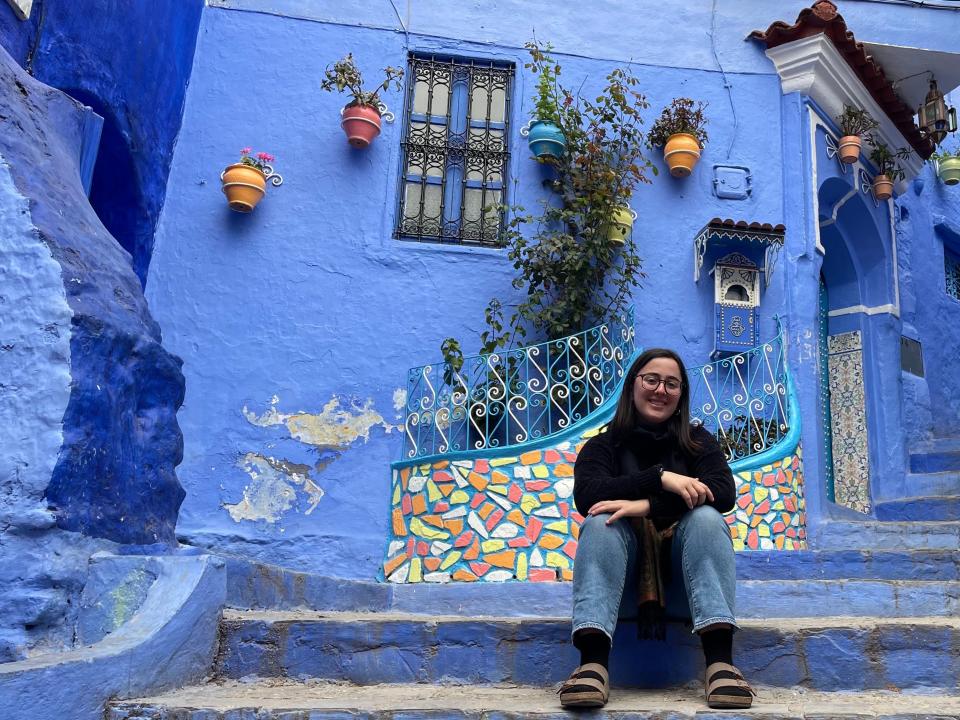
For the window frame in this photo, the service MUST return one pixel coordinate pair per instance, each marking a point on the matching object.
(453, 179)
(951, 257)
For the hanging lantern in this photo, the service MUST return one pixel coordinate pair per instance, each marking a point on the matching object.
(935, 118)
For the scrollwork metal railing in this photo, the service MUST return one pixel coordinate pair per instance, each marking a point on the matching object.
(744, 399)
(508, 398)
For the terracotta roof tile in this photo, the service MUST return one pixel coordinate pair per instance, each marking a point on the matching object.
(822, 17)
(730, 224)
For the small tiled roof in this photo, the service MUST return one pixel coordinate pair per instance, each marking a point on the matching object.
(822, 17)
(730, 224)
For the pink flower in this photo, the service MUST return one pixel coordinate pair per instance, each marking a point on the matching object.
(567, 101)
(245, 151)
(265, 157)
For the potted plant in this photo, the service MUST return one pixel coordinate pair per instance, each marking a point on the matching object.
(573, 269)
(245, 182)
(680, 132)
(545, 136)
(854, 123)
(888, 167)
(948, 166)
(621, 224)
(361, 116)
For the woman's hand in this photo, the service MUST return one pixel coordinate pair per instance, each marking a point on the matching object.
(621, 508)
(693, 492)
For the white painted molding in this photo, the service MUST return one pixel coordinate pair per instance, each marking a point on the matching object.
(21, 8)
(876, 310)
(814, 67)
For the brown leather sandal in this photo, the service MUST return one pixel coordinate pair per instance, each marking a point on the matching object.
(726, 688)
(587, 687)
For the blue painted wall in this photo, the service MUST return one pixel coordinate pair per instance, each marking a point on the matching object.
(297, 323)
(131, 63)
(88, 396)
(310, 300)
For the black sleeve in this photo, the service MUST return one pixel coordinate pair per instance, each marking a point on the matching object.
(595, 478)
(709, 465)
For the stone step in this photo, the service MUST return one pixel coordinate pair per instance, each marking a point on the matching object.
(831, 653)
(941, 458)
(266, 587)
(950, 444)
(928, 484)
(887, 535)
(946, 507)
(287, 700)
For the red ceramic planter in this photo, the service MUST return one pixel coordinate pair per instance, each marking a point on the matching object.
(361, 123)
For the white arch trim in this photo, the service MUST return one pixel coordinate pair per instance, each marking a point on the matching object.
(21, 8)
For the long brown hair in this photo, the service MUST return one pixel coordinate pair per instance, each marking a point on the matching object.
(626, 417)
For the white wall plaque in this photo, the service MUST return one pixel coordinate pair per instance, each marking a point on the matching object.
(21, 8)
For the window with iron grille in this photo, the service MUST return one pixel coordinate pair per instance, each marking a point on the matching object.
(454, 150)
(951, 267)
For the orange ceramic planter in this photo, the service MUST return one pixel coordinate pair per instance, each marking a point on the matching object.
(244, 186)
(361, 123)
(882, 187)
(681, 154)
(849, 149)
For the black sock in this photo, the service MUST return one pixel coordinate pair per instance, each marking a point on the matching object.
(594, 647)
(717, 646)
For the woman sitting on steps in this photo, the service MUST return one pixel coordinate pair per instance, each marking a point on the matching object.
(652, 489)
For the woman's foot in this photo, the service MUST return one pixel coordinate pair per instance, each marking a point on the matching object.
(726, 687)
(587, 687)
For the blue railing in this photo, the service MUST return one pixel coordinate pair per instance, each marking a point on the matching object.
(744, 399)
(517, 396)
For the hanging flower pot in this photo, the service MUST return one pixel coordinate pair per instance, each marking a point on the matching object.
(948, 170)
(546, 139)
(681, 154)
(244, 183)
(622, 225)
(681, 132)
(849, 149)
(361, 123)
(882, 187)
(244, 186)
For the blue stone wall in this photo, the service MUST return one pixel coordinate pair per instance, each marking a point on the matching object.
(928, 219)
(131, 63)
(88, 396)
(297, 323)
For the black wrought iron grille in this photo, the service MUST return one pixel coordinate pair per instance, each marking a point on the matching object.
(951, 269)
(454, 151)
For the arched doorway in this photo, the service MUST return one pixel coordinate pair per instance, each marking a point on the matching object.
(858, 318)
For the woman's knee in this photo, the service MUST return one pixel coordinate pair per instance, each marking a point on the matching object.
(595, 530)
(705, 521)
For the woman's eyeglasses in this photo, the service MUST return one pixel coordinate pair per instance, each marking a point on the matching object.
(671, 386)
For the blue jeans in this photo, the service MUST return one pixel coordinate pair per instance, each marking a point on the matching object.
(703, 577)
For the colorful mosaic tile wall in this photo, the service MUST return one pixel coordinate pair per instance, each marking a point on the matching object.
(512, 518)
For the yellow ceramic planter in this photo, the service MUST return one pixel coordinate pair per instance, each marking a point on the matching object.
(681, 154)
(622, 225)
(244, 186)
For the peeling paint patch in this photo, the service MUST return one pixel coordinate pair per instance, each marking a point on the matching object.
(272, 490)
(399, 399)
(333, 428)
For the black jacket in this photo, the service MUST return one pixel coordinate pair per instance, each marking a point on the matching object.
(599, 473)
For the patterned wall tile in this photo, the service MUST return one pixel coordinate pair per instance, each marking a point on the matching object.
(851, 461)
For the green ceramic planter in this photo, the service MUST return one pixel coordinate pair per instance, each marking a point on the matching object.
(949, 171)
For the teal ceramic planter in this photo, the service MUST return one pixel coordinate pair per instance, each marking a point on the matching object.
(546, 140)
(949, 171)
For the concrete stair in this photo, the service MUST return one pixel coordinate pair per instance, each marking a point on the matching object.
(288, 700)
(865, 625)
(820, 653)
